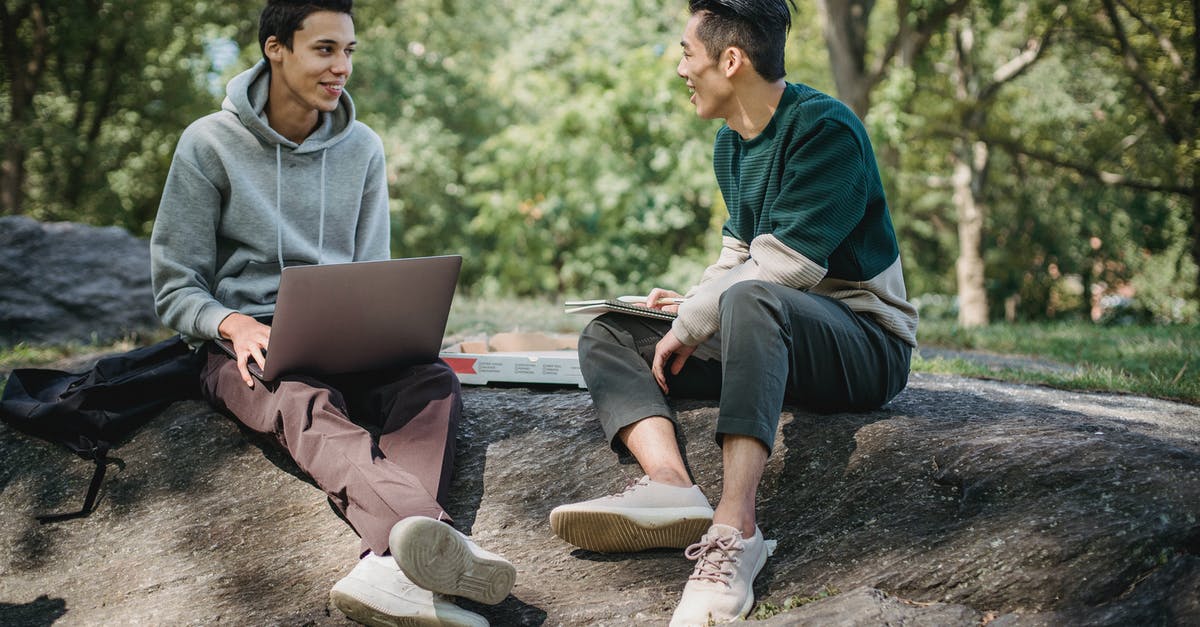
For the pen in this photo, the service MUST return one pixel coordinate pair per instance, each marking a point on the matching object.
(642, 300)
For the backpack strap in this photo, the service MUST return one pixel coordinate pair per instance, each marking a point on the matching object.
(98, 454)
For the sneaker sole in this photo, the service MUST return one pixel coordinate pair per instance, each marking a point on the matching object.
(434, 557)
(358, 611)
(611, 532)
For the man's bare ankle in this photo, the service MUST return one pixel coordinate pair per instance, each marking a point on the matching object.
(746, 525)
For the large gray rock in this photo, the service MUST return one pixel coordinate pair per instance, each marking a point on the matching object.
(64, 283)
(961, 502)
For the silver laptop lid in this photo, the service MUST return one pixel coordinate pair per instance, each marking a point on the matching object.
(352, 317)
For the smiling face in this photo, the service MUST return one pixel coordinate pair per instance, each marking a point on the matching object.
(310, 76)
(711, 88)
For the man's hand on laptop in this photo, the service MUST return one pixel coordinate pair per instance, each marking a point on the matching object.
(249, 338)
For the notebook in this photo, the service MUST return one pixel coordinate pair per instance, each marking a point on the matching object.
(353, 317)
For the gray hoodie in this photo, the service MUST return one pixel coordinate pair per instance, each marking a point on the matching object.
(241, 201)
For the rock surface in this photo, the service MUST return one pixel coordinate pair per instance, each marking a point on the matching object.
(63, 283)
(962, 502)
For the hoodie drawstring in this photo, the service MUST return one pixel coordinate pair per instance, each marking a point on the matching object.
(321, 223)
(279, 208)
(279, 203)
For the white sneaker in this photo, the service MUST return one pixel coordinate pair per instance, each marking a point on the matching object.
(721, 588)
(377, 593)
(646, 515)
(436, 556)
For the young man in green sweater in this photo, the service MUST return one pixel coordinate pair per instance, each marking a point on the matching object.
(806, 302)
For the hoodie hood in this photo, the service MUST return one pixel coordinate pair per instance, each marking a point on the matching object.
(246, 97)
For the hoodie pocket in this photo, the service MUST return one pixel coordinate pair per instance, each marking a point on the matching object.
(256, 284)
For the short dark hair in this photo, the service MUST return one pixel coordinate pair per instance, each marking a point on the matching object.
(759, 27)
(282, 18)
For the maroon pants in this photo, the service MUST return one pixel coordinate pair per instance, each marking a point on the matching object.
(380, 444)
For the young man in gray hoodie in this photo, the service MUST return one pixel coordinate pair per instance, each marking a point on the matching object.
(284, 175)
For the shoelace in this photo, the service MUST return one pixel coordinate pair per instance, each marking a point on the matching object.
(714, 558)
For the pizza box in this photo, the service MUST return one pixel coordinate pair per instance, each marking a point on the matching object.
(515, 358)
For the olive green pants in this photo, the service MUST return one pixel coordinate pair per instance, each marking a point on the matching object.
(776, 344)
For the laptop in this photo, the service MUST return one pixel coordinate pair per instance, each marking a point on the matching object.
(353, 317)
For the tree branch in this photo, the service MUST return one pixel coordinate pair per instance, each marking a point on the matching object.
(1164, 42)
(112, 80)
(927, 28)
(845, 28)
(1133, 63)
(909, 43)
(1108, 178)
(879, 69)
(1018, 65)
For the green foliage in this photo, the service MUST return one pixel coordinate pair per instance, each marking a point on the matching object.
(596, 194)
(553, 145)
(1166, 287)
(1159, 361)
(1058, 235)
(551, 142)
(117, 82)
(569, 161)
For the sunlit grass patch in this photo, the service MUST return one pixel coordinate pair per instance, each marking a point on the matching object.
(1160, 361)
(25, 355)
(478, 316)
(32, 356)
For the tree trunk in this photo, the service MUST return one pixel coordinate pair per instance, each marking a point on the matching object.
(12, 178)
(24, 61)
(1194, 127)
(1196, 214)
(969, 162)
(845, 26)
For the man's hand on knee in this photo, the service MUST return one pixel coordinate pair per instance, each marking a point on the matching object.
(666, 348)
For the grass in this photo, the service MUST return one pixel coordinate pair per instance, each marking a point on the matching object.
(766, 610)
(26, 356)
(479, 316)
(31, 356)
(1161, 362)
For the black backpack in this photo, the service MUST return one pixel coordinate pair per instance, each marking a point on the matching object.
(90, 412)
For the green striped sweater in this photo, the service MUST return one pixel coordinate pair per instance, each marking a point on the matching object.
(807, 210)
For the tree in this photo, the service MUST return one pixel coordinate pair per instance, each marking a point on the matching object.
(24, 43)
(1152, 41)
(98, 91)
(949, 137)
(551, 142)
(603, 175)
(975, 90)
(1131, 73)
(846, 27)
